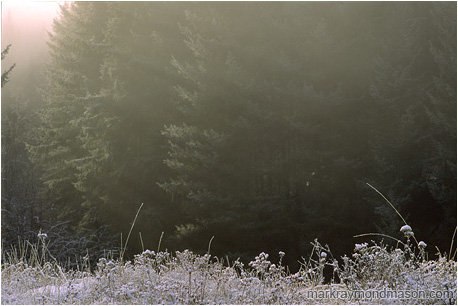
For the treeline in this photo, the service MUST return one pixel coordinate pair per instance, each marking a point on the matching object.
(256, 123)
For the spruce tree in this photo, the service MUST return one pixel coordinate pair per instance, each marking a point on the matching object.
(71, 77)
(255, 153)
(414, 139)
(6, 73)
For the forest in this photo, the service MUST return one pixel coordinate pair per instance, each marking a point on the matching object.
(255, 123)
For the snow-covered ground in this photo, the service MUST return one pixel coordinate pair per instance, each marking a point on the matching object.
(372, 275)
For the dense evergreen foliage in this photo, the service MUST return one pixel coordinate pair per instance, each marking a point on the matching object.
(256, 123)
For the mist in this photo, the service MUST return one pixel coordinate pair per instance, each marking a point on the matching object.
(258, 124)
(25, 27)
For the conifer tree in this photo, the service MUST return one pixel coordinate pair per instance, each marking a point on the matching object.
(248, 158)
(72, 77)
(6, 73)
(107, 99)
(122, 123)
(257, 124)
(415, 132)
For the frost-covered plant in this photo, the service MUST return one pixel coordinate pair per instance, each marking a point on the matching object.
(261, 265)
(312, 270)
(374, 267)
(189, 278)
(30, 275)
(402, 268)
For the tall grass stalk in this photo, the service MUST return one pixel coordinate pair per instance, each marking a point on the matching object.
(399, 214)
(378, 234)
(387, 202)
(159, 244)
(451, 247)
(141, 240)
(209, 244)
(130, 231)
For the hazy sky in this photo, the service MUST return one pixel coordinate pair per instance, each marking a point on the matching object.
(25, 25)
(22, 18)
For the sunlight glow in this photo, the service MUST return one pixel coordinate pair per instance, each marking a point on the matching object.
(32, 8)
(21, 18)
(29, 14)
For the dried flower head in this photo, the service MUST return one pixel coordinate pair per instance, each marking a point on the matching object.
(42, 235)
(405, 229)
(409, 234)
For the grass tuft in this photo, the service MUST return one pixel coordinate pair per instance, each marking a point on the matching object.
(372, 274)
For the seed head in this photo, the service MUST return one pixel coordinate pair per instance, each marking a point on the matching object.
(409, 234)
(42, 235)
(406, 229)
